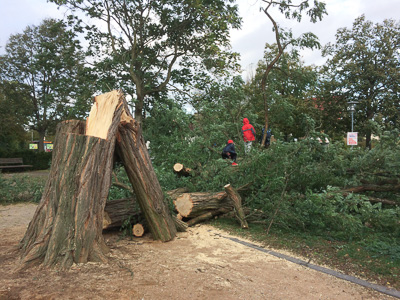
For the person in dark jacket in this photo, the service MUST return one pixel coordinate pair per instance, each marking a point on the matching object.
(249, 134)
(229, 152)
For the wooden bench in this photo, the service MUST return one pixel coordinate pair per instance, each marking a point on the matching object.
(12, 163)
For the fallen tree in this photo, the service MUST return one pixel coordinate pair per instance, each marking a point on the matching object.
(132, 150)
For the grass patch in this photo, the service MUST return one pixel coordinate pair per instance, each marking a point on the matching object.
(375, 259)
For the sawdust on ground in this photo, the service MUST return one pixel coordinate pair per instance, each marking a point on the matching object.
(198, 264)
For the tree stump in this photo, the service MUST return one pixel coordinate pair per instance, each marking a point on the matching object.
(67, 225)
(132, 150)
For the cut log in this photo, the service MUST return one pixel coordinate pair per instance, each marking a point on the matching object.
(67, 225)
(173, 194)
(180, 170)
(132, 151)
(237, 204)
(116, 212)
(138, 230)
(207, 216)
(191, 205)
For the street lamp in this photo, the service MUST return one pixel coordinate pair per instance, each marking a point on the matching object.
(352, 105)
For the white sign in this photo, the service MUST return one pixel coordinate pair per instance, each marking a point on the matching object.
(352, 138)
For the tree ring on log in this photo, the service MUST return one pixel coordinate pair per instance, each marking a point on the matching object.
(184, 205)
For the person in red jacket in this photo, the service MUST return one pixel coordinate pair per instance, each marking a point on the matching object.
(249, 134)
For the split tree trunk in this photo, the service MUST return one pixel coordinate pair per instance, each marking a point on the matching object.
(135, 157)
(67, 225)
(237, 204)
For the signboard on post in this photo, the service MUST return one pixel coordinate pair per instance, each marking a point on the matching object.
(352, 138)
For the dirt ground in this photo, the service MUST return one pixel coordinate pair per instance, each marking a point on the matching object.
(198, 264)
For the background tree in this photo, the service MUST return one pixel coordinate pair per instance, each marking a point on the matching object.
(14, 111)
(364, 66)
(48, 60)
(150, 45)
(290, 89)
(285, 38)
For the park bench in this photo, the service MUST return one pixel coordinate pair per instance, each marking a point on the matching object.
(12, 163)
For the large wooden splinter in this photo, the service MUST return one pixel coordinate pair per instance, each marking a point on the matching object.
(135, 157)
(67, 225)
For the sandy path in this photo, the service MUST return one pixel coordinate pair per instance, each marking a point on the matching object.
(198, 264)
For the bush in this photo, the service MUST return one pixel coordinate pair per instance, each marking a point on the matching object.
(20, 189)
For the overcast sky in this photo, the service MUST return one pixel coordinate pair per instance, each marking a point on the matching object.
(16, 15)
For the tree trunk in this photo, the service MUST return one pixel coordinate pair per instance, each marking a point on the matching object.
(237, 204)
(191, 205)
(67, 225)
(132, 150)
(206, 216)
(118, 211)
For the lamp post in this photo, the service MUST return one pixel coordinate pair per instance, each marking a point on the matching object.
(352, 105)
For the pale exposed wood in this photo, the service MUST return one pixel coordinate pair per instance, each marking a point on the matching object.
(181, 170)
(138, 230)
(237, 204)
(184, 205)
(101, 114)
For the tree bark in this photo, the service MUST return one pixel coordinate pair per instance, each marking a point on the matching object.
(206, 216)
(132, 150)
(191, 205)
(237, 204)
(116, 212)
(67, 225)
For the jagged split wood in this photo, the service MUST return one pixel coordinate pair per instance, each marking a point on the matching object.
(138, 230)
(237, 204)
(132, 151)
(67, 225)
(181, 170)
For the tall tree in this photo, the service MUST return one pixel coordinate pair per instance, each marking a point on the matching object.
(47, 59)
(290, 90)
(364, 66)
(149, 45)
(14, 111)
(284, 38)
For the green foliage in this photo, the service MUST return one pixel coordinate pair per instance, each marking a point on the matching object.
(364, 67)
(151, 47)
(15, 189)
(46, 64)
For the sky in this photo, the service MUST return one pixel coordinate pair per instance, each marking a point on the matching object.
(16, 15)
